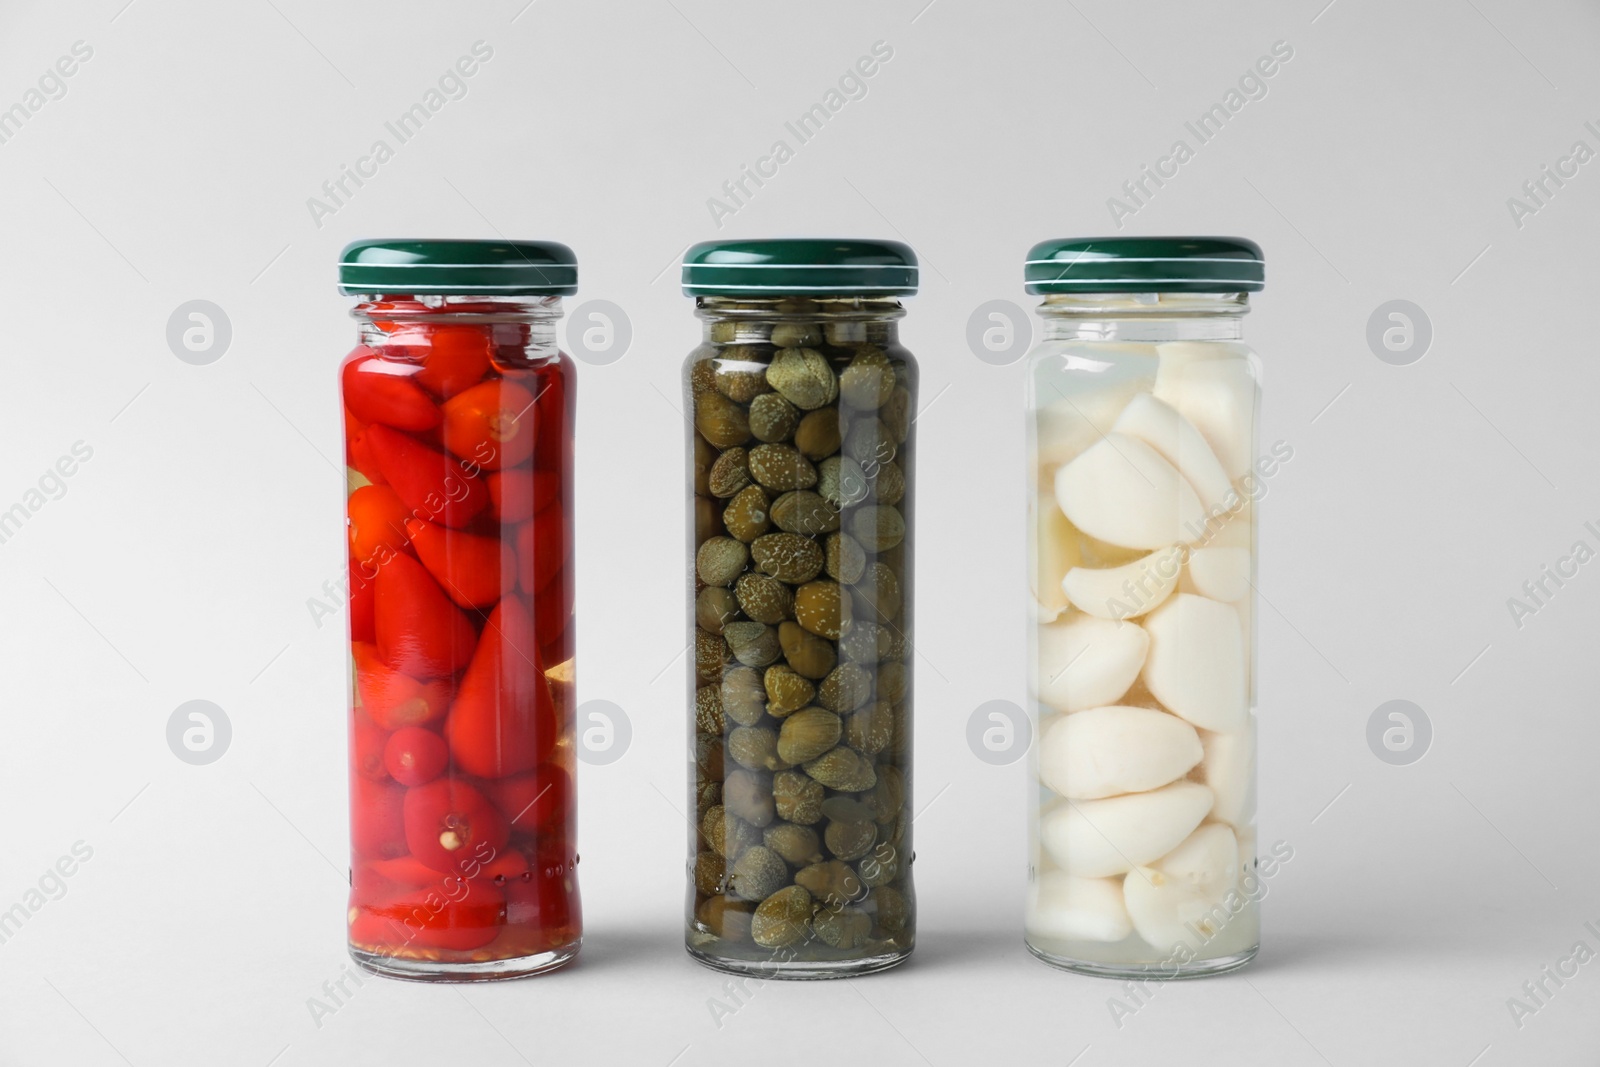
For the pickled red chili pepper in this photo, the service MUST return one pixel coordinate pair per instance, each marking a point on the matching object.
(458, 431)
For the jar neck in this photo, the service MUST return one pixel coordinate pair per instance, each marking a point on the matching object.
(1146, 317)
(848, 319)
(526, 321)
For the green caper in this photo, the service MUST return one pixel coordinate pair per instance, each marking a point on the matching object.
(878, 527)
(803, 512)
(708, 716)
(781, 468)
(843, 558)
(880, 868)
(888, 908)
(710, 656)
(783, 918)
(846, 928)
(743, 695)
(764, 598)
(844, 769)
(753, 644)
(757, 873)
(756, 747)
(846, 688)
(850, 840)
(831, 882)
(723, 422)
(804, 378)
(868, 382)
(709, 870)
(787, 691)
(727, 918)
(870, 729)
(798, 845)
(818, 435)
(807, 734)
(796, 335)
(726, 833)
(809, 655)
(798, 797)
(844, 808)
(720, 560)
(730, 473)
(713, 606)
(894, 680)
(788, 557)
(747, 515)
(748, 795)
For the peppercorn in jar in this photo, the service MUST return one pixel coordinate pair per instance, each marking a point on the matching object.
(802, 400)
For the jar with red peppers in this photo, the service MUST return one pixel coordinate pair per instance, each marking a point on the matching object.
(458, 414)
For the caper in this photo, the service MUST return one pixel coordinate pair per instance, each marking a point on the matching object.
(722, 421)
(870, 730)
(772, 418)
(757, 873)
(707, 794)
(842, 768)
(868, 381)
(708, 757)
(889, 484)
(764, 598)
(726, 833)
(787, 691)
(798, 845)
(740, 373)
(743, 695)
(753, 644)
(710, 655)
(787, 557)
(781, 467)
(846, 688)
(807, 734)
(804, 378)
(888, 908)
(707, 520)
(727, 918)
(897, 413)
(878, 527)
(831, 882)
(748, 795)
(708, 716)
(878, 593)
(846, 928)
(713, 606)
(821, 608)
(809, 655)
(843, 558)
(818, 435)
(850, 840)
(880, 867)
(861, 642)
(709, 870)
(730, 473)
(720, 560)
(797, 796)
(894, 680)
(888, 796)
(804, 512)
(746, 517)
(844, 808)
(782, 919)
(705, 454)
(796, 335)
(756, 747)
(869, 443)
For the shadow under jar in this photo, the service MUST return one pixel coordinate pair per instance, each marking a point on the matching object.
(1144, 472)
(458, 435)
(801, 448)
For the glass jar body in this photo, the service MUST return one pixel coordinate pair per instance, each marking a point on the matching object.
(800, 702)
(458, 437)
(1143, 473)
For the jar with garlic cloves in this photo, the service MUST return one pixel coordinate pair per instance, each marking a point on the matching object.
(801, 400)
(1144, 474)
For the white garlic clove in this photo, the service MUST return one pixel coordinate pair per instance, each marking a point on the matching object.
(1220, 573)
(1180, 900)
(1211, 386)
(1128, 591)
(1230, 771)
(1055, 552)
(1121, 490)
(1105, 751)
(1064, 908)
(1196, 665)
(1084, 661)
(1161, 427)
(1066, 426)
(1097, 838)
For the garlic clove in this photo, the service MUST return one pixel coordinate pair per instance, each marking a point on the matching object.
(1063, 908)
(1084, 661)
(1220, 573)
(1121, 490)
(1160, 426)
(1096, 838)
(1128, 591)
(1109, 750)
(1210, 386)
(1196, 664)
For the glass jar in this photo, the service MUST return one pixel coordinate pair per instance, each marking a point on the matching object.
(1143, 472)
(801, 401)
(458, 412)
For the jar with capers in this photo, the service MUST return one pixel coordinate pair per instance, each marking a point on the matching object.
(801, 400)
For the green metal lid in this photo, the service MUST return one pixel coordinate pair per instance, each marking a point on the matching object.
(1145, 265)
(800, 267)
(479, 268)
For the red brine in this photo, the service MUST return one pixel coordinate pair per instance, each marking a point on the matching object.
(458, 436)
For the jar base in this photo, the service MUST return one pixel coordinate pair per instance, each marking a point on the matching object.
(800, 970)
(411, 970)
(1205, 968)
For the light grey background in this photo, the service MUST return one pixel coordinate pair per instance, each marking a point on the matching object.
(179, 562)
